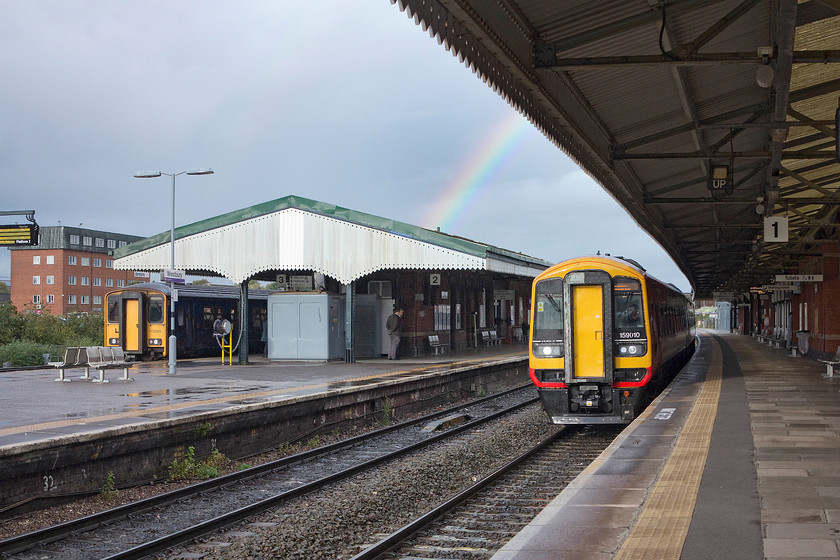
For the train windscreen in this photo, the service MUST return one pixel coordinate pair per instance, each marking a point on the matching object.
(548, 318)
(629, 317)
(156, 306)
(114, 308)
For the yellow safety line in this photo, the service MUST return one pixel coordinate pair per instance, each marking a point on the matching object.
(192, 404)
(660, 530)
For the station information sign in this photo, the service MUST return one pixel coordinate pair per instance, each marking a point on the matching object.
(783, 278)
(19, 234)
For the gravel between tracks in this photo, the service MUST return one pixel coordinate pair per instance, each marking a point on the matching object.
(337, 523)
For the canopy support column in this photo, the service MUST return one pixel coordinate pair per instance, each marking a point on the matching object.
(244, 321)
(349, 305)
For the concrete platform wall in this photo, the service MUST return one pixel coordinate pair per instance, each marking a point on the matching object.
(137, 454)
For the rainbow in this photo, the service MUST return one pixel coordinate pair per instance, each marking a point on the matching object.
(478, 170)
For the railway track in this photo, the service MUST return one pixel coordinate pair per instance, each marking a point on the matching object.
(478, 521)
(150, 526)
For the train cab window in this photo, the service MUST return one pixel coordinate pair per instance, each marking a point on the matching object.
(628, 311)
(114, 308)
(156, 305)
(548, 319)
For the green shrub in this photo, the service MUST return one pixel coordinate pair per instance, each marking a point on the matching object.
(23, 353)
(109, 486)
(188, 468)
(25, 337)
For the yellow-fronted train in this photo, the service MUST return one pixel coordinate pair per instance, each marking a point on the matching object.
(606, 338)
(137, 319)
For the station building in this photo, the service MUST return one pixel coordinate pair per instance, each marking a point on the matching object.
(342, 272)
(69, 271)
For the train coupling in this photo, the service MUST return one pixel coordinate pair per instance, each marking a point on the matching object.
(590, 398)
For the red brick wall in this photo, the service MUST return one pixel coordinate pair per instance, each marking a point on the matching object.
(23, 270)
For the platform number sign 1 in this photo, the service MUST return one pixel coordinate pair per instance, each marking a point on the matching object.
(775, 229)
(434, 279)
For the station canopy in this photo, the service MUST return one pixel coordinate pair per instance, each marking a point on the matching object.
(706, 120)
(298, 234)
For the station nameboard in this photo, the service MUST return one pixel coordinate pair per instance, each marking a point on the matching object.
(19, 234)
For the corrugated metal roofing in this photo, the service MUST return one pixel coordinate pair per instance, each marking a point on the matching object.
(295, 233)
(648, 129)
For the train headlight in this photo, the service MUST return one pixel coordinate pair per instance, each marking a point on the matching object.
(113, 341)
(155, 342)
(548, 350)
(626, 349)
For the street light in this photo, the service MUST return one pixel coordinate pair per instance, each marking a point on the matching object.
(173, 350)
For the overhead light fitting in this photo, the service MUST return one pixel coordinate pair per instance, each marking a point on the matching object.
(764, 74)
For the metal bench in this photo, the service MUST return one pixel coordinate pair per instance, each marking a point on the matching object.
(436, 345)
(73, 357)
(494, 338)
(107, 357)
(829, 364)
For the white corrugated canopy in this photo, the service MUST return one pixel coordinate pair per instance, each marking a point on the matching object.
(297, 238)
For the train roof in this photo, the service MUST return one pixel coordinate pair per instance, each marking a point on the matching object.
(627, 264)
(200, 290)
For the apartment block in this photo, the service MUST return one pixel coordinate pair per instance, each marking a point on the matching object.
(70, 270)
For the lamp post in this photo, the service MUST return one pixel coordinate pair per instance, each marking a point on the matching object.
(173, 349)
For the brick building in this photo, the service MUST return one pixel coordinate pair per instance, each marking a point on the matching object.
(70, 270)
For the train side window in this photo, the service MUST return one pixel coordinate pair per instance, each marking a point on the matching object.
(156, 305)
(548, 310)
(114, 308)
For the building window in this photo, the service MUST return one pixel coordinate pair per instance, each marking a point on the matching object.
(50, 280)
(85, 261)
(71, 280)
(123, 243)
(87, 240)
(71, 259)
(85, 281)
(97, 300)
(109, 263)
(97, 262)
(50, 298)
(36, 259)
(74, 240)
(100, 242)
(109, 282)
(120, 283)
(85, 300)
(112, 244)
(36, 299)
(50, 259)
(97, 281)
(36, 280)
(71, 300)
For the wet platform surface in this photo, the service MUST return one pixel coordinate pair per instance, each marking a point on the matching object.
(35, 407)
(738, 459)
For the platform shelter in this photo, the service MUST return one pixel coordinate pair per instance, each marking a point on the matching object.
(454, 290)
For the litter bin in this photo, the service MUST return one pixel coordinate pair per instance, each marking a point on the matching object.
(802, 341)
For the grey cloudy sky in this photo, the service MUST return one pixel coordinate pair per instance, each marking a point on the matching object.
(346, 102)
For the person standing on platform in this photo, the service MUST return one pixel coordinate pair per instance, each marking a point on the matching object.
(394, 327)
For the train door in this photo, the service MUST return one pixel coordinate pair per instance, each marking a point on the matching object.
(588, 329)
(131, 328)
(589, 354)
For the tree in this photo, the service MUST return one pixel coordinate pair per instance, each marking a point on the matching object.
(4, 288)
(201, 282)
(11, 323)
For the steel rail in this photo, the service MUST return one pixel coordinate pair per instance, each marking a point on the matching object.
(396, 539)
(57, 532)
(236, 516)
